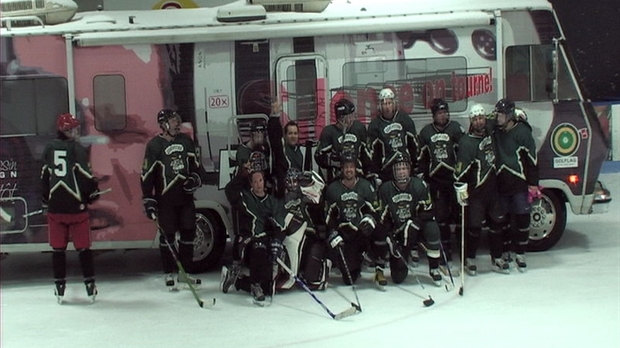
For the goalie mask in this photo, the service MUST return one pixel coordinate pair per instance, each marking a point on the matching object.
(401, 168)
(258, 161)
(291, 181)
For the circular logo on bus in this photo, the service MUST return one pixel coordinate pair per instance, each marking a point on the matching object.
(565, 139)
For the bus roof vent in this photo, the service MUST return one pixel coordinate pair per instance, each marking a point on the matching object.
(48, 11)
(228, 14)
(292, 5)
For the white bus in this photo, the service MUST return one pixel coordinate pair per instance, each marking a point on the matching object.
(220, 66)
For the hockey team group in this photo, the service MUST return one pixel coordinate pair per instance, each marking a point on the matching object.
(386, 195)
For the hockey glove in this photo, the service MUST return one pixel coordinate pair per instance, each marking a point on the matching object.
(192, 183)
(533, 193)
(150, 208)
(334, 160)
(277, 250)
(410, 231)
(367, 225)
(335, 240)
(461, 193)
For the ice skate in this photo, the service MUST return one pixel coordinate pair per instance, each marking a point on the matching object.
(91, 290)
(501, 266)
(435, 276)
(186, 278)
(507, 257)
(470, 266)
(229, 277)
(59, 291)
(379, 279)
(170, 283)
(258, 297)
(520, 261)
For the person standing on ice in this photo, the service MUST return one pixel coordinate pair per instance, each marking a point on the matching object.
(391, 132)
(170, 176)
(438, 147)
(517, 177)
(68, 188)
(475, 178)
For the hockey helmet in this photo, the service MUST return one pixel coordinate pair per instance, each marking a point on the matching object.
(505, 106)
(348, 157)
(343, 107)
(401, 161)
(66, 122)
(476, 110)
(257, 126)
(165, 114)
(439, 104)
(386, 93)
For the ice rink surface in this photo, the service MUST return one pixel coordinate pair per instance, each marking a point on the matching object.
(569, 297)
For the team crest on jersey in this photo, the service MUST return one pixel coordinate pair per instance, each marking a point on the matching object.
(441, 151)
(486, 146)
(394, 133)
(403, 211)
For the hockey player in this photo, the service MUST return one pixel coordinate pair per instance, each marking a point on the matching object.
(260, 236)
(475, 176)
(68, 188)
(347, 135)
(170, 176)
(406, 208)
(351, 222)
(517, 177)
(304, 245)
(257, 142)
(438, 144)
(391, 132)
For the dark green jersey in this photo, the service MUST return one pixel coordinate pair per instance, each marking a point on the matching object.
(387, 137)
(475, 160)
(166, 166)
(66, 177)
(257, 215)
(516, 158)
(438, 150)
(347, 206)
(396, 205)
(334, 141)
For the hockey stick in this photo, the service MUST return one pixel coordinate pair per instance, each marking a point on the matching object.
(182, 272)
(445, 259)
(429, 301)
(346, 268)
(462, 250)
(346, 313)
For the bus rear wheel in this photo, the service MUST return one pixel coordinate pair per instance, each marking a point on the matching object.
(210, 241)
(547, 221)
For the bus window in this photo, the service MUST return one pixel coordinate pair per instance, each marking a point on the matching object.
(110, 104)
(530, 74)
(31, 105)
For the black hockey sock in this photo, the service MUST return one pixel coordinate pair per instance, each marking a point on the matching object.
(87, 263)
(59, 264)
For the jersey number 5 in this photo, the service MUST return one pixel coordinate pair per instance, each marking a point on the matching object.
(60, 163)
